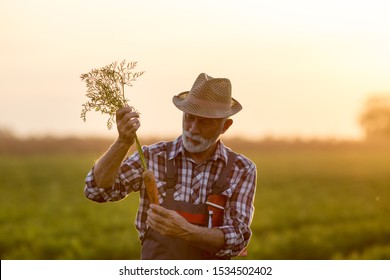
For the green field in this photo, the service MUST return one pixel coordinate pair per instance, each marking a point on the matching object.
(311, 203)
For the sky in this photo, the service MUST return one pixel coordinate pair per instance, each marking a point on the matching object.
(299, 68)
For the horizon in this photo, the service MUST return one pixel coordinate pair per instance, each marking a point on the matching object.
(6, 133)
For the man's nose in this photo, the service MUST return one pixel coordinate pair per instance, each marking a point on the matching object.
(194, 126)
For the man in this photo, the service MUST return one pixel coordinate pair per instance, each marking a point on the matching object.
(206, 191)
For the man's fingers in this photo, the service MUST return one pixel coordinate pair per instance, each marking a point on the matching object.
(161, 211)
(125, 114)
(127, 117)
(166, 222)
(155, 221)
(158, 216)
(127, 124)
(121, 112)
(130, 125)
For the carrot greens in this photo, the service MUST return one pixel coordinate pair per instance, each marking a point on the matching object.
(106, 92)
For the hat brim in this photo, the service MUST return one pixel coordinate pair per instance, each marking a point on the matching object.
(182, 104)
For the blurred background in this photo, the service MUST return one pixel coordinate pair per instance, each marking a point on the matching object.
(312, 76)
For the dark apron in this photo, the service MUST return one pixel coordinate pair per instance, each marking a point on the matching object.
(159, 247)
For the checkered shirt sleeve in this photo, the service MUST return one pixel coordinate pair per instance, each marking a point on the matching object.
(239, 208)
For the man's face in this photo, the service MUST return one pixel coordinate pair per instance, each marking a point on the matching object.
(200, 133)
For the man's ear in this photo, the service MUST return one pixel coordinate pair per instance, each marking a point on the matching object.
(226, 125)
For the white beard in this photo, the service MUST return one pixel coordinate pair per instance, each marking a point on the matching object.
(201, 147)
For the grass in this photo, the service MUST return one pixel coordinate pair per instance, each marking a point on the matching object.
(310, 204)
(323, 205)
(46, 216)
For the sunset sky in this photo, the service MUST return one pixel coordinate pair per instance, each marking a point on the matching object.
(299, 68)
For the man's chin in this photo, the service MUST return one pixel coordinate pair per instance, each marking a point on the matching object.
(195, 146)
(192, 148)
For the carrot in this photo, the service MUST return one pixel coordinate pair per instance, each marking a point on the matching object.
(151, 186)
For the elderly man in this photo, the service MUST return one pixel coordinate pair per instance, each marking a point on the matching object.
(206, 191)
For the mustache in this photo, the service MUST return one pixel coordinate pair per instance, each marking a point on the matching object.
(194, 137)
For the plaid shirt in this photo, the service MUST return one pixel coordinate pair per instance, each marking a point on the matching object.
(193, 184)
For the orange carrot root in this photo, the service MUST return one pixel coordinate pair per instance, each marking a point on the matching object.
(151, 186)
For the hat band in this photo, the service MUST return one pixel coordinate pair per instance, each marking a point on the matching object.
(209, 104)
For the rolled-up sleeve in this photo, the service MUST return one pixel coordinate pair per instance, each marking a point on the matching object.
(239, 213)
(128, 180)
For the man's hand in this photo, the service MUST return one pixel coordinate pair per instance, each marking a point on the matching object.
(106, 168)
(127, 121)
(170, 223)
(167, 222)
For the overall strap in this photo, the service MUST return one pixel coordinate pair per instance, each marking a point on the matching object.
(221, 184)
(171, 168)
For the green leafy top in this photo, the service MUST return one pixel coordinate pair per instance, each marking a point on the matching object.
(106, 88)
(106, 92)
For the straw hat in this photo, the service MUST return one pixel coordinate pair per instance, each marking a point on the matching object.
(209, 97)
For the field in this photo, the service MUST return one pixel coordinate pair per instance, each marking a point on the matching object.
(323, 201)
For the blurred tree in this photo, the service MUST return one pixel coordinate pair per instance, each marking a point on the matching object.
(375, 118)
(6, 133)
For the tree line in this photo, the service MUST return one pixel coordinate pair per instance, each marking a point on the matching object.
(374, 120)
